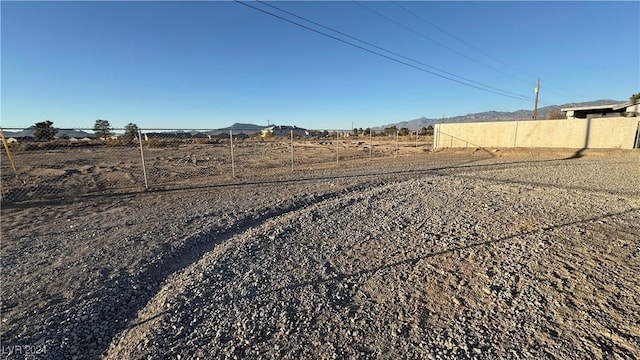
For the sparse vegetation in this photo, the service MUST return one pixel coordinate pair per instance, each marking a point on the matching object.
(156, 143)
(201, 141)
(391, 130)
(635, 97)
(556, 114)
(428, 130)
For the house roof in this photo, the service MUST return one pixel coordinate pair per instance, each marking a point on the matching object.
(609, 107)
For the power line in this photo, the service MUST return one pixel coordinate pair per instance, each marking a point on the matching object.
(479, 50)
(435, 41)
(460, 40)
(485, 88)
(389, 51)
(502, 92)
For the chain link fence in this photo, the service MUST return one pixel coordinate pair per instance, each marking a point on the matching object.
(68, 167)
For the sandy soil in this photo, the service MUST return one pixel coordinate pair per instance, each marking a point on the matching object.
(454, 254)
(57, 172)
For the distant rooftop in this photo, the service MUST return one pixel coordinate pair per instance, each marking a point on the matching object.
(613, 107)
(582, 112)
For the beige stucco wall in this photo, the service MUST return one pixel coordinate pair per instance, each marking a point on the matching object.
(613, 132)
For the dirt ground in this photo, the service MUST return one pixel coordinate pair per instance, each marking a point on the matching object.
(461, 253)
(69, 170)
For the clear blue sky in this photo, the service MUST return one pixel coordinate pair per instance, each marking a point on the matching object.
(210, 64)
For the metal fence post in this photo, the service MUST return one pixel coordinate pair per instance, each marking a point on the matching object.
(397, 135)
(6, 147)
(416, 138)
(291, 150)
(337, 147)
(370, 144)
(233, 165)
(144, 169)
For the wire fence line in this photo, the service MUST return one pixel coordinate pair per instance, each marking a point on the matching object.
(73, 166)
(438, 141)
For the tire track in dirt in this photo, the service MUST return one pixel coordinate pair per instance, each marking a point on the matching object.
(95, 320)
(331, 202)
(191, 309)
(86, 329)
(348, 200)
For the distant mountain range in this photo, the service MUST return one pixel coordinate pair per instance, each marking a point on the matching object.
(414, 124)
(245, 127)
(417, 124)
(28, 132)
(494, 115)
(238, 127)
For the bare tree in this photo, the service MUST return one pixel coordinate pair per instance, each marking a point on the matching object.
(555, 114)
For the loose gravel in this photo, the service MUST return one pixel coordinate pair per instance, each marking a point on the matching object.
(462, 254)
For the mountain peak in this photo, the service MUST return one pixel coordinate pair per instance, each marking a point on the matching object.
(493, 115)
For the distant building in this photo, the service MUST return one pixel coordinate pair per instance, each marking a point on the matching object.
(586, 112)
(282, 131)
(20, 139)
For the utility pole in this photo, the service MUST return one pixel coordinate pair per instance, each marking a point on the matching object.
(535, 106)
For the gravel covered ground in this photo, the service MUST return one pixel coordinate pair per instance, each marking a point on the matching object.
(457, 254)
